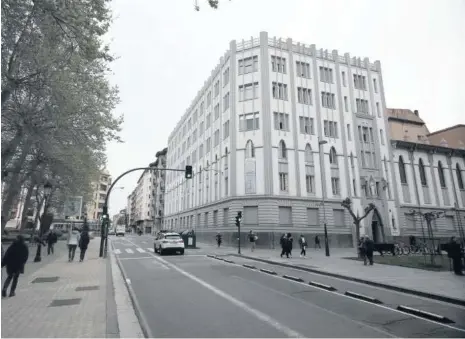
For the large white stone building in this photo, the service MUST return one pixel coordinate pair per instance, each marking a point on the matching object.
(271, 115)
(141, 209)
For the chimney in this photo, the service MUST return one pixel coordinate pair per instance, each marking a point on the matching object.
(416, 112)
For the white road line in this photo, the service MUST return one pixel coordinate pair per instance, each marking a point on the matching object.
(140, 250)
(128, 281)
(117, 251)
(160, 265)
(247, 308)
(135, 258)
(129, 250)
(150, 249)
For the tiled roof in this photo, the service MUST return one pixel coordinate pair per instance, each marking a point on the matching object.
(404, 114)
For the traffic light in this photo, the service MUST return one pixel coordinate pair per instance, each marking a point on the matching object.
(238, 218)
(188, 173)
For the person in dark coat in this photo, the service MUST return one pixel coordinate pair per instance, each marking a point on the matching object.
(83, 243)
(290, 241)
(369, 247)
(317, 242)
(15, 259)
(454, 252)
(51, 241)
(282, 242)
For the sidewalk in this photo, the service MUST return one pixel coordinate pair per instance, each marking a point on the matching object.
(441, 284)
(70, 301)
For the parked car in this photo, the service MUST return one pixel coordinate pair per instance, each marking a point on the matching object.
(168, 242)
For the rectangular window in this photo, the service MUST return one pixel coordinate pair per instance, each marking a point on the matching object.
(310, 183)
(278, 64)
(248, 65)
(217, 88)
(208, 121)
(335, 186)
(226, 130)
(378, 111)
(217, 137)
(304, 95)
(283, 182)
(194, 156)
(249, 122)
(375, 86)
(279, 91)
(226, 77)
(216, 111)
(306, 125)
(360, 82)
(226, 102)
(209, 145)
(194, 135)
(281, 121)
(303, 69)
(346, 104)
(344, 82)
(328, 100)
(381, 135)
(195, 116)
(209, 99)
(201, 128)
(200, 152)
(362, 106)
(330, 129)
(349, 134)
(365, 137)
(248, 91)
(326, 75)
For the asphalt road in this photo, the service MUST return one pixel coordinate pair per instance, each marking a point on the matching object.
(197, 296)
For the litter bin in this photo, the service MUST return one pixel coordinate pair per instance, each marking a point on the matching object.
(189, 239)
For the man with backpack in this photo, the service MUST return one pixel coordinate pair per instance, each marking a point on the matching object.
(83, 243)
(51, 241)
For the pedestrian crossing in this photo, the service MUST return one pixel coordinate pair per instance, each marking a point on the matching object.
(130, 251)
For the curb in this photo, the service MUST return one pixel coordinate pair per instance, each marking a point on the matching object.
(249, 266)
(439, 297)
(363, 297)
(424, 314)
(140, 317)
(323, 286)
(292, 278)
(268, 271)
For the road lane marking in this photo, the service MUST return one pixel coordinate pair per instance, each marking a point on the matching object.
(135, 258)
(150, 249)
(117, 251)
(247, 308)
(318, 307)
(160, 265)
(129, 250)
(141, 250)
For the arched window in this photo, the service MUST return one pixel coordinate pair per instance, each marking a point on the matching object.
(249, 150)
(421, 167)
(282, 150)
(458, 171)
(308, 154)
(333, 156)
(442, 179)
(403, 176)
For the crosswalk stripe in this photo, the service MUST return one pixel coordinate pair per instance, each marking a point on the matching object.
(140, 250)
(129, 250)
(150, 249)
(117, 251)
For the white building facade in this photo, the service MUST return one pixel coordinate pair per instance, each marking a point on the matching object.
(141, 210)
(253, 136)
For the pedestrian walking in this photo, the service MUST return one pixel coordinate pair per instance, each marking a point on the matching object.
(15, 259)
(252, 239)
(219, 239)
(455, 253)
(283, 243)
(317, 242)
(303, 246)
(369, 247)
(290, 241)
(73, 241)
(83, 243)
(52, 238)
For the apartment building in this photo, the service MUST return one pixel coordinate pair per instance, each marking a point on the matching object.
(158, 189)
(94, 207)
(142, 209)
(283, 131)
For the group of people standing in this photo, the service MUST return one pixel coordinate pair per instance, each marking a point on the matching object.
(17, 255)
(287, 241)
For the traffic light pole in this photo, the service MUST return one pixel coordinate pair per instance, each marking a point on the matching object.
(105, 220)
(239, 230)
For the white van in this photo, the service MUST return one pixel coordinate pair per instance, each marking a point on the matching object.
(120, 230)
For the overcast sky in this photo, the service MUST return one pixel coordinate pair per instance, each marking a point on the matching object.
(167, 50)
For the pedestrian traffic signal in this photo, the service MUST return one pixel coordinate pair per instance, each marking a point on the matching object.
(238, 218)
(188, 173)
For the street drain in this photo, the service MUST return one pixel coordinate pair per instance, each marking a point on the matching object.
(64, 302)
(87, 288)
(45, 280)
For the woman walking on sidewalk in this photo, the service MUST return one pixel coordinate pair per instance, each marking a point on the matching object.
(303, 246)
(15, 259)
(73, 241)
(83, 243)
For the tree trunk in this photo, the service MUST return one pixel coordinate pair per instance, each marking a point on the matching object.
(357, 236)
(9, 150)
(10, 196)
(27, 204)
(36, 218)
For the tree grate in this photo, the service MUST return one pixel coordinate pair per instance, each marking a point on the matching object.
(87, 288)
(45, 280)
(65, 302)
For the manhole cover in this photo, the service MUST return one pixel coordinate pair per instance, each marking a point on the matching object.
(64, 302)
(44, 280)
(87, 288)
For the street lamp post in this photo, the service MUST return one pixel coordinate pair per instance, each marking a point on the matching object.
(323, 193)
(47, 192)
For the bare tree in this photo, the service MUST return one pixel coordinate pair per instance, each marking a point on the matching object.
(347, 204)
